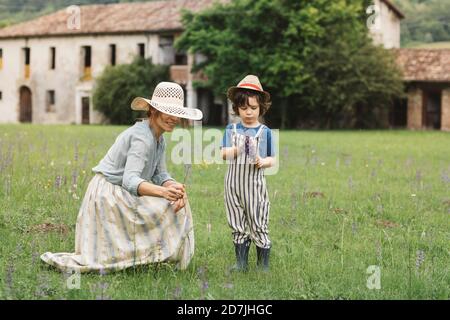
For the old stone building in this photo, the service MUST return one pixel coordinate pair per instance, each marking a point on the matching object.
(427, 76)
(48, 66)
(386, 28)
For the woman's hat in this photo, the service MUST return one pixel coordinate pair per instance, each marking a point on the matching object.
(250, 82)
(168, 98)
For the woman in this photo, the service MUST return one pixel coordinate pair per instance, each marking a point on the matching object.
(133, 212)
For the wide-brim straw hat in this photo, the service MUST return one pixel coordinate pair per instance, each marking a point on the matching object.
(250, 82)
(167, 98)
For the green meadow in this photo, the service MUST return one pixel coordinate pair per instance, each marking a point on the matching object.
(348, 208)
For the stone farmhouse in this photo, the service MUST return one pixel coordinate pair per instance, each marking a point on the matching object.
(48, 66)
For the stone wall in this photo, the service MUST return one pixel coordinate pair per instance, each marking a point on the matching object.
(445, 110)
(415, 105)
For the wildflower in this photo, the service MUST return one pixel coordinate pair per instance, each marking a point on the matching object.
(354, 227)
(350, 182)
(322, 163)
(58, 182)
(445, 178)
(413, 195)
(228, 285)
(177, 292)
(420, 258)
(208, 227)
(52, 164)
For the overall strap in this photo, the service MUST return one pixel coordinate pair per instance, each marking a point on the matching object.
(258, 134)
(234, 128)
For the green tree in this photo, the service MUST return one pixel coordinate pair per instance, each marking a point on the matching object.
(119, 85)
(315, 57)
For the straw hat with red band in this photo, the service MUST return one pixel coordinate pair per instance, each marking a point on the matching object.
(250, 82)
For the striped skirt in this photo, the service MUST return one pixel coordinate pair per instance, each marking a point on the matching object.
(116, 230)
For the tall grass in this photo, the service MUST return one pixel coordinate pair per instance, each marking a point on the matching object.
(341, 202)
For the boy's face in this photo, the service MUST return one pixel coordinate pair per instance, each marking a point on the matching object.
(249, 113)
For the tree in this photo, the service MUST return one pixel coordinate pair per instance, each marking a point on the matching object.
(315, 57)
(119, 85)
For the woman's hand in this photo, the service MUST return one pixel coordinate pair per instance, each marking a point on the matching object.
(179, 204)
(173, 193)
(176, 185)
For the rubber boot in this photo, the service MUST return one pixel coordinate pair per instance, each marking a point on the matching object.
(263, 258)
(241, 250)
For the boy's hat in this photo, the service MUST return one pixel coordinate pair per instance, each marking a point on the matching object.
(250, 82)
(168, 98)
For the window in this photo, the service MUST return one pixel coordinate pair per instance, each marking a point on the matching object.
(168, 53)
(87, 63)
(181, 58)
(52, 58)
(112, 50)
(1, 59)
(50, 101)
(141, 50)
(27, 58)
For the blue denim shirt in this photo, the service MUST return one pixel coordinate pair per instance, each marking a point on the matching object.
(266, 145)
(136, 156)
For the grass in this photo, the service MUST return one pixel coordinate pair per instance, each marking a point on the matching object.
(341, 202)
(432, 45)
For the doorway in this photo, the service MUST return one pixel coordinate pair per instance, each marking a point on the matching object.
(85, 110)
(26, 108)
(432, 110)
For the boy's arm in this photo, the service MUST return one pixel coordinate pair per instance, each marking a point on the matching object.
(229, 153)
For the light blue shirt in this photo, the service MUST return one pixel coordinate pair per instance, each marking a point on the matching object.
(136, 156)
(266, 143)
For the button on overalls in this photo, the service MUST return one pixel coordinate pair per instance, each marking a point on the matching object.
(246, 197)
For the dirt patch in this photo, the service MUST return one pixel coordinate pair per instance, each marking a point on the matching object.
(387, 224)
(314, 194)
(49, 227)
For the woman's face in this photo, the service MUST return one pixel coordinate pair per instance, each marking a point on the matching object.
(166, 122)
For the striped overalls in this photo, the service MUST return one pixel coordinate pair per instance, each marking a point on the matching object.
(246, 197)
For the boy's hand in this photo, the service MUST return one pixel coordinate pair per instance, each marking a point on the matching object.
(263, 162)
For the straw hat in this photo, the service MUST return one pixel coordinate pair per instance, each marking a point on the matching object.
(250, 82)
(168, 98)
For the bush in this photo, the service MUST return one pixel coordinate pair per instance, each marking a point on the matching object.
(119, 85)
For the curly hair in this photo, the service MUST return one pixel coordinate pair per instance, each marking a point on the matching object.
(241, 97)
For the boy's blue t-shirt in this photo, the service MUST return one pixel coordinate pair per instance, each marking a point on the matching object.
(266, 143)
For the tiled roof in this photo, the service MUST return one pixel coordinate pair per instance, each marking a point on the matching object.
(424, 64)
(394, 8)
(132, 17)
